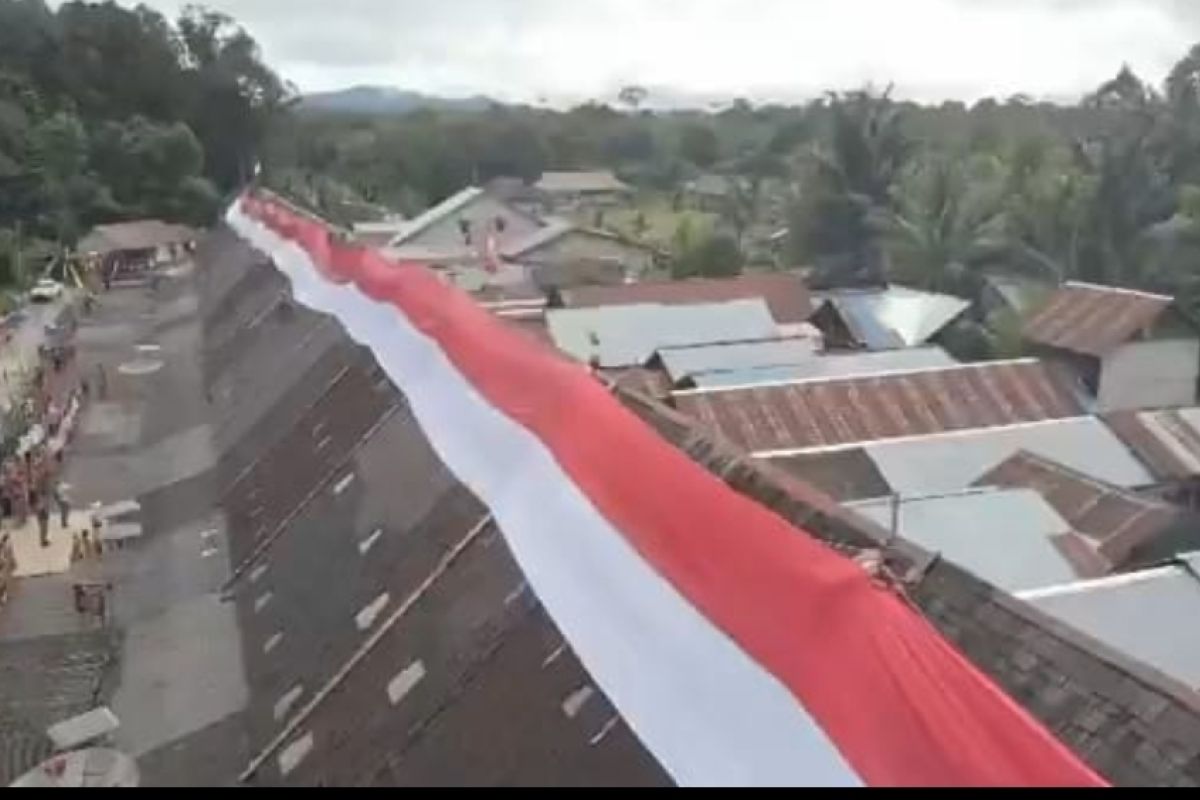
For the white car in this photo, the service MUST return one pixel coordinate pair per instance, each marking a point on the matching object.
(46, 291)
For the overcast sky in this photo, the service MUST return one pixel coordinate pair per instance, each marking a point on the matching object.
(764, 49)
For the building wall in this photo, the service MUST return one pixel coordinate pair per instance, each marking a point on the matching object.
(1154, 374)
(482, 214)
(580, 245)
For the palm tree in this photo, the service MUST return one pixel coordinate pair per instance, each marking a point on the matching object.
(944, 225)
(846, 179)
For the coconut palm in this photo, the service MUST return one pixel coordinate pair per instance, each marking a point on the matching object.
(945, 224)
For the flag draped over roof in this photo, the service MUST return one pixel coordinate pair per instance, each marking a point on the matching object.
(739, 650)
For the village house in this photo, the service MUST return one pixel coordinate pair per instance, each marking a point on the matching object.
(457, 230)
(1132, 350)
(560, 244)
(708, 193)
(567, 191)
(130, 247)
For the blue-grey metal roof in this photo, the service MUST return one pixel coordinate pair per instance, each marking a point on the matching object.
(626, 336)
(1150, 616)
(682, 362)
(952, 462)
(1002, 536)
(820, 367)
(896, 317)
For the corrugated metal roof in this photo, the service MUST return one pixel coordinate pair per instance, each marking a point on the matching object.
(835, 412)
(450, 205)
(681, 362)
(554, 231)
(1167, 442)
(144, 234)
(785, 294)
(896, 317)
(1003, 536)
(954, 461)
(1149, 615)
(1114, 522)
(626, 336)
(828, 366)
(1094, 320)
(572, 182)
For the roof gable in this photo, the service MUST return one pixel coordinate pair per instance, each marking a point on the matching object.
(1094, 320)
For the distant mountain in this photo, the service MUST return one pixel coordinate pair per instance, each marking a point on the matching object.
(387, 100)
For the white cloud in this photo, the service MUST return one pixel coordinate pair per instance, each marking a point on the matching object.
(523, 49)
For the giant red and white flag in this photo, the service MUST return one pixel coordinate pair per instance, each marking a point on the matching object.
(739, 650)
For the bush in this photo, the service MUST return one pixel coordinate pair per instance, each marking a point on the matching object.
(715, 256)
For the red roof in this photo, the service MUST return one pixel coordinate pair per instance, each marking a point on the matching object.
(785, 294)
(826, 413)
(1094, 320)
(1111, 522)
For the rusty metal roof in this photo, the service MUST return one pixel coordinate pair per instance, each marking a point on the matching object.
(1112, 522)
(829, 413)
(785, 294)
(1094, 320)
(1167, 442)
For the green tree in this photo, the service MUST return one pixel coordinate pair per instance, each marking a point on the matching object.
(845, 181)
(699, 145)
(943, 227)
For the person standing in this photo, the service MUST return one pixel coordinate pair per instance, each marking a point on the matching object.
(63, 500)
(43, 518)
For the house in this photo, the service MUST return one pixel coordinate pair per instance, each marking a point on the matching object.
(785, 294)
(559, 244)
(884, 319)
(629, 336)
(779, 419)
(709, 192)
(570, 190)
(457, 230)
(130, 247)
(1132, 350)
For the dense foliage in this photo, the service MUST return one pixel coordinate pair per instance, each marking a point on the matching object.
(867, 188)
(108, 113)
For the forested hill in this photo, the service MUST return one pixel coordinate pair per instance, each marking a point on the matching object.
(108, 113)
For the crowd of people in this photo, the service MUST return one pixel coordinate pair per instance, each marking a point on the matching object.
(31, 474)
